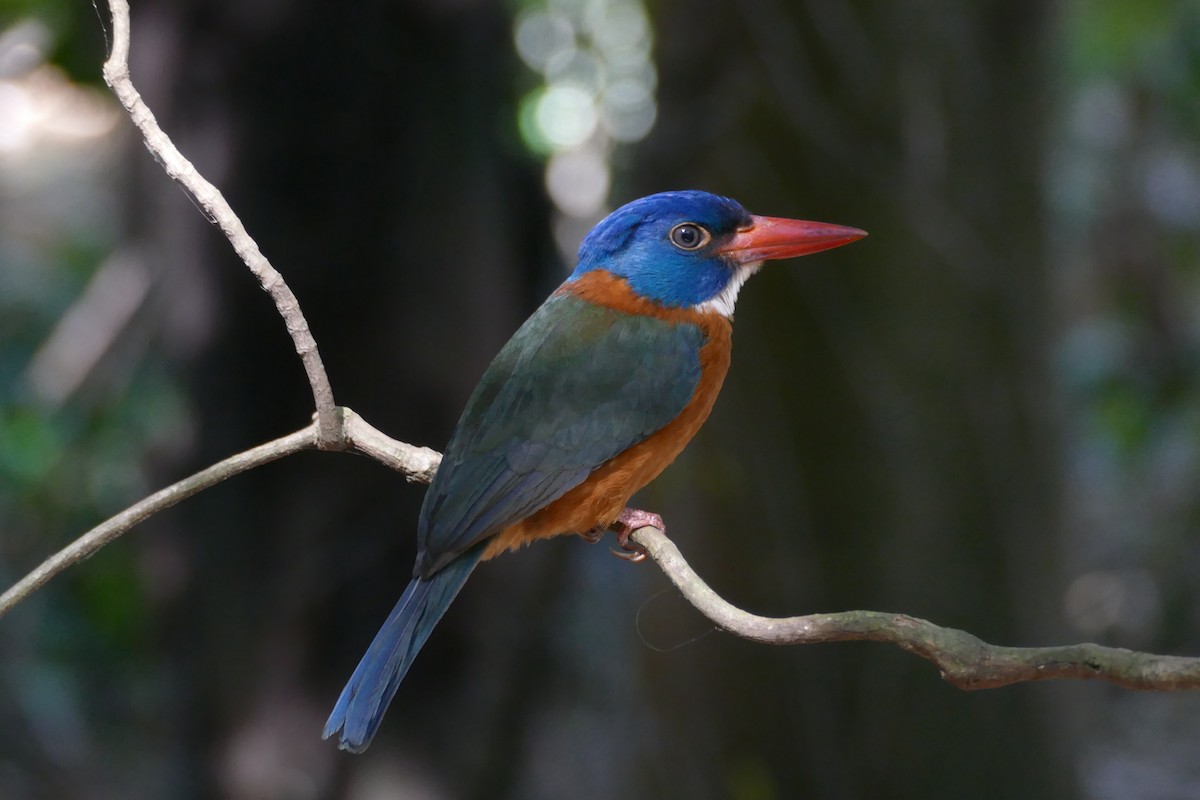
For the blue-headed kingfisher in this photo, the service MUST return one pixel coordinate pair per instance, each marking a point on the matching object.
(589, 401)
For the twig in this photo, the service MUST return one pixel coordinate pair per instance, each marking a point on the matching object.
(963, 659)
(417, 464)
(212, 202)
(110, 529)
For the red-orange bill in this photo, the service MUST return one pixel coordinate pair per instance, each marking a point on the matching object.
(776, 237)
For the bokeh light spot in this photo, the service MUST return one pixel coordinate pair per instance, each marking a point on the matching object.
(566, 115)
(543, 35)
(578, 181)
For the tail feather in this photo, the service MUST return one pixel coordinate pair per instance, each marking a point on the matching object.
(361, 706)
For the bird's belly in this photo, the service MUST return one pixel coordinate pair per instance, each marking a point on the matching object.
(606, 491)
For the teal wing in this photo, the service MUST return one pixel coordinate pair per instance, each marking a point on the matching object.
(575, 386)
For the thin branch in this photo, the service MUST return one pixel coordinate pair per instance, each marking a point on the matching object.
(964, 660)
(110, 529)
(417, 464)
(212, 202)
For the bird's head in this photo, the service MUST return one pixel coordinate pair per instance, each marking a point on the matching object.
(695, 249)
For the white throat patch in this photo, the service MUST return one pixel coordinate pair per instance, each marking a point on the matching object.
(724, 302)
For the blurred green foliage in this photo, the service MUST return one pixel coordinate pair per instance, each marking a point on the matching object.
(80, 33)
(1127, 183)
(1126, 40)
(67, 460)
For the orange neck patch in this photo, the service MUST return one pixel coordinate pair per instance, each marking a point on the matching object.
(605, 289)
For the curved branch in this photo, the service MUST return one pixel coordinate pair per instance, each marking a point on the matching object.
(212, 202)
(107, 531)
(964, 660)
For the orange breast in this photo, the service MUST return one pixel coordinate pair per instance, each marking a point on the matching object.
(599, 499)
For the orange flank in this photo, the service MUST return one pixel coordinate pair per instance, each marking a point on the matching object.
(605, 493)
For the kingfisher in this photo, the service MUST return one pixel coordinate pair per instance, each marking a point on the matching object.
(593, 396)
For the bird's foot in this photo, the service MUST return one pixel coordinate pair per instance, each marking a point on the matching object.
(625, 524)
(629, 521)
(593, 535)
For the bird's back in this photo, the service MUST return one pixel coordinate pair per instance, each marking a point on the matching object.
(590, 375)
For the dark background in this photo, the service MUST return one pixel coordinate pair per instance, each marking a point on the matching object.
(984, 414)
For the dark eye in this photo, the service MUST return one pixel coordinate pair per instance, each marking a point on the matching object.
(689, 236)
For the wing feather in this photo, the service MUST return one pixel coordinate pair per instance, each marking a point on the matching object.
(576, 385)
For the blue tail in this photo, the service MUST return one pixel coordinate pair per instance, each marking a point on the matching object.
(360, 708)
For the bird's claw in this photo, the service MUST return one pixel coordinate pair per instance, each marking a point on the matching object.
(629, 521)
(633, 553)
(593, 535)
(625, 524)
(630, 550)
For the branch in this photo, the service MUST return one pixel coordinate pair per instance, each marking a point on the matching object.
(110, 529)
(212, 202)
(417, 464)
(964, 660)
